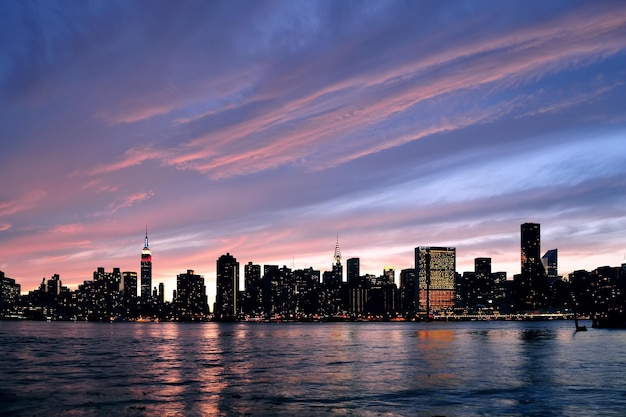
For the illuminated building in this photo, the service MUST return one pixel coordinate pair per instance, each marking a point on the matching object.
(129, 293)
(435, 268)
(107, 300)
(531, 284)
(227, 281)
(146, 270)
(191, 300)
(9, 295)
(253, 295)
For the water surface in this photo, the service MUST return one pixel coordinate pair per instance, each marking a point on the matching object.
(311, 369)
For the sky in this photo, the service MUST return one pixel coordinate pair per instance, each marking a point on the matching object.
(271, 129)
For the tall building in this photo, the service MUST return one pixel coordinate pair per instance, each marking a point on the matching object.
(146, 270)
(478, 288)
(353, 271)
(107, 297)
(9, 295)
(530, 247)
(161, 296)
(337, 267)
(408, 293)
(435, 269)
(253, 296)
(532, 285)
(227, 281)
(129, 292)
(389, 274)
(191, 300)
(550, 263)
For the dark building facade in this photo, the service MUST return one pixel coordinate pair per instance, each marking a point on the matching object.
(531, 284)
(227, 294)
(191, 300)
(550, 263)
(253, 294)
(353, 271)
(9, 295)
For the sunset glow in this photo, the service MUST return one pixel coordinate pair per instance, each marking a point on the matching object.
(267, 129)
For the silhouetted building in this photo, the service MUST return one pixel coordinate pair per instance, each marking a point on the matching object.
(146, 270)
(435, 269)
(353, 270)
(531, 283)
(105, 297)
(390, 274)
(478, 288)
(191, 300)
(9, 295)
(306, 292)
(129, 291)
(408, 291)
(253, 295)
(550, 263)
(227, 281)
(161, 296)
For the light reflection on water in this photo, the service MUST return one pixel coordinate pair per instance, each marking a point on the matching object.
(310, 369)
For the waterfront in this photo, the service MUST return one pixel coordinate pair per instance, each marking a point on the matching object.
(512, 368)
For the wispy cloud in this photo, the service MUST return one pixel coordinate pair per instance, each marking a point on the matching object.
(23, 203)
(130, 200)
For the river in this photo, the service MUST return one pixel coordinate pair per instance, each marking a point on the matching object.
(492, 368)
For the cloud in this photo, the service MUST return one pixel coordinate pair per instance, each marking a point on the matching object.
(131, 157)
(130, 200)
(5, 226)
(24, 203)
(391, 96)
(68, 229)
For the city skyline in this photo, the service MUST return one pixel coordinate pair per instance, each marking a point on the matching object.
(266, 129)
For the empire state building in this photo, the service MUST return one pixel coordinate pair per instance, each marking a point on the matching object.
(146, 270)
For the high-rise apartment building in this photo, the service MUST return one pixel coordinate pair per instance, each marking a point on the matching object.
(435, 269)
(227, 281)
(191, 300)
(146, 270)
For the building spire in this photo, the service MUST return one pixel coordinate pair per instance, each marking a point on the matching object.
(337, 255)
(145, 245)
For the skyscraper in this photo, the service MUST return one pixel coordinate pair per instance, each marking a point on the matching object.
(435, 269)
(191, 300)
(253, 298)
(354, 272)
(408, 290)
(227, 281)
(531, 286)
(550, 263)
(337, 267)
(146, 270)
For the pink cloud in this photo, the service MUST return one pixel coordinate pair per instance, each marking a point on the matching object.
(23, 203)
(130, 200)
(4, 227)
(536, 52)
(132, 157)
(68, 229)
